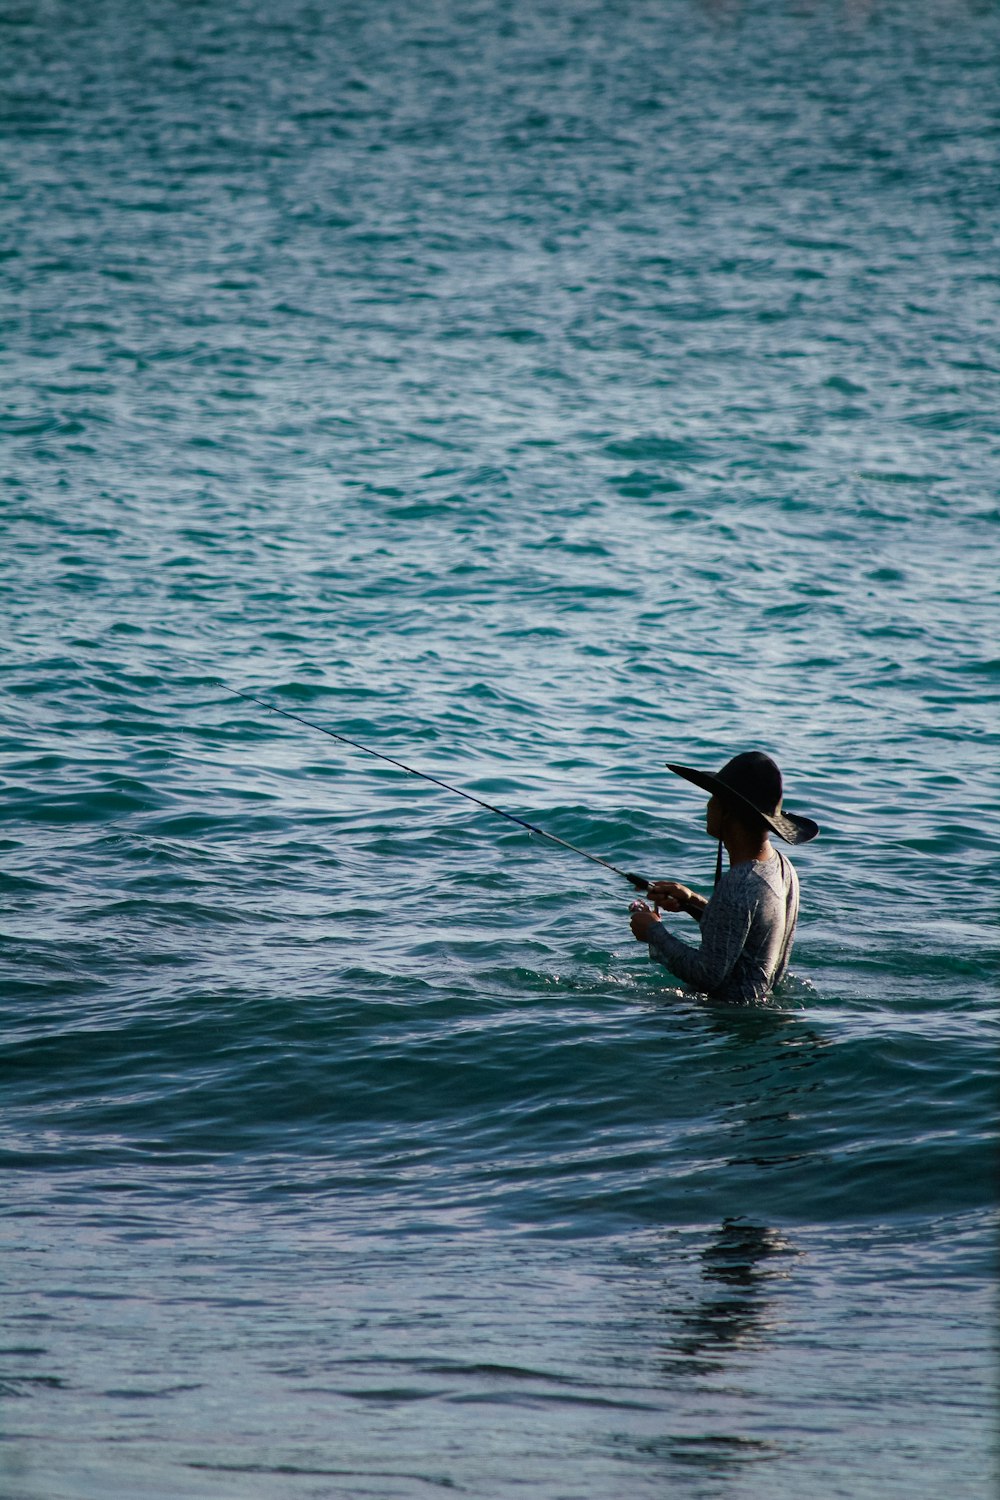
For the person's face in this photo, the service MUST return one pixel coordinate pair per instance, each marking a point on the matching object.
(713, 818)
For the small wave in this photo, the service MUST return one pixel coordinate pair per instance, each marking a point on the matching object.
(652, 449)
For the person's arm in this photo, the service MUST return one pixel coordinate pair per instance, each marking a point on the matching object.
(724, 930)
(673, 896)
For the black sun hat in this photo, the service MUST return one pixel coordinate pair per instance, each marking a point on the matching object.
(753, 780)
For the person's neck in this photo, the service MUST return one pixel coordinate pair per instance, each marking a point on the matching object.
(743, 847)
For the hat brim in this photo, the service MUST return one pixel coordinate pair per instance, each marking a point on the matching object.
(788, 826)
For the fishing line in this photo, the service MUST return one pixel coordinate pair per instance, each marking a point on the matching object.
(639, 881)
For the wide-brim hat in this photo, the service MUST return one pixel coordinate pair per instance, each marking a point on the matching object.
(752, 780)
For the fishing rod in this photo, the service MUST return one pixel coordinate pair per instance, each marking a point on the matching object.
(638, 881)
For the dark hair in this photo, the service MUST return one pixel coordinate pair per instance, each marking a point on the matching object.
(747, 817)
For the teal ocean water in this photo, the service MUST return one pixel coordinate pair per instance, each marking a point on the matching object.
(535, 391)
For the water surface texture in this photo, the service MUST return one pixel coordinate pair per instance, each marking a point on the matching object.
(536, 391)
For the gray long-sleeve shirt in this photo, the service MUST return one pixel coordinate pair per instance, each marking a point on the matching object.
(746, 934)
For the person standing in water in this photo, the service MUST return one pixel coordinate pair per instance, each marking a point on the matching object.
(748, 925)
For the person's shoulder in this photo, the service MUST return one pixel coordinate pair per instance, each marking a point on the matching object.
(755, 877)
(777, 873)
(745, 873)
(737, 880)
(782, 866)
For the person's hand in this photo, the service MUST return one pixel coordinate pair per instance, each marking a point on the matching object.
(670, 895)
(643, 920)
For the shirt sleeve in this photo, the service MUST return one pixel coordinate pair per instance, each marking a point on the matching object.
(725, 927)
